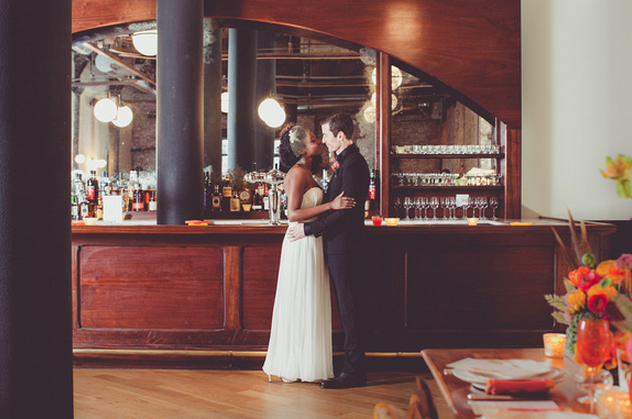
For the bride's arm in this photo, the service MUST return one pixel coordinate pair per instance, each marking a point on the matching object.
(295, 183)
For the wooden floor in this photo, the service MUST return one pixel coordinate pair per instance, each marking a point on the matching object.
(191, 394)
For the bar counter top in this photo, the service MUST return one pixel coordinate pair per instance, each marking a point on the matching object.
(147, 225)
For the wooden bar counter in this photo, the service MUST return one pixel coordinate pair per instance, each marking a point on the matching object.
(145, 294)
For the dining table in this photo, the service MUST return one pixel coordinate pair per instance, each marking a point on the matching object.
(456, 391)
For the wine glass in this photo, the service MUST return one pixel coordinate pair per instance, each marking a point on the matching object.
(484, 204)
(397, 204)
(418, 205)
(443, 203)
(434, 204)
(425, 204)
(493, 202)
(408, 204)
(592, 346)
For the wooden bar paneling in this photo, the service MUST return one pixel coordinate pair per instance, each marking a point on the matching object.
(132, 287)
(207, 289)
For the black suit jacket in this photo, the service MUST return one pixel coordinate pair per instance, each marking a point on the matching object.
(342, 229)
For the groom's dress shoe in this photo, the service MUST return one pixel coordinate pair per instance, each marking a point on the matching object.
(344, 380)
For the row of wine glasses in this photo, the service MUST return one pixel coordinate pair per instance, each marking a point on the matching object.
(447, 206)
(447, 149)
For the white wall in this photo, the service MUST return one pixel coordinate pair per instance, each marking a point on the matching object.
(576, 105)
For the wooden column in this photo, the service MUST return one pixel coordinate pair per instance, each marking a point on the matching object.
(35, 137)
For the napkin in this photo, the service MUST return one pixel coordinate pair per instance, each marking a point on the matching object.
(505, 369)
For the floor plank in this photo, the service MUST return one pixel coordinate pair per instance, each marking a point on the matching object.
(193, 394)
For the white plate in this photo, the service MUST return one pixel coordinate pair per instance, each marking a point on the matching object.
(480, 381)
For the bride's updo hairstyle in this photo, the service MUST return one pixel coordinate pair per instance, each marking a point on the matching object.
(293, 141)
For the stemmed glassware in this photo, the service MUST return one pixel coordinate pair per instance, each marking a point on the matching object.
(493, 202)
(408, 204)
(417, 203)
(593, 350)
(443, 205)
(425, 204)
(434, 204)
(397, 204)
(452, 205)
(483, 206)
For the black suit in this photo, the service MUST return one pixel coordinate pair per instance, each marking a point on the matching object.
(342, 230)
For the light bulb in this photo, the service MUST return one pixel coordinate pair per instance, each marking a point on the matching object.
(80, 159)
(105, 110)
(396, 77)
(124, 117)
(271, 112)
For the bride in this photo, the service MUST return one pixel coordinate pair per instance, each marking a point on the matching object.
(300, 345)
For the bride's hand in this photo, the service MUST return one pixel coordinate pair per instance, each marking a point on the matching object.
(342, 202)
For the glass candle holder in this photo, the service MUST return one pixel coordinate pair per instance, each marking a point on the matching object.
(554, 344)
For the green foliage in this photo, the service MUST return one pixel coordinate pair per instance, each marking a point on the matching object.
(625, 307)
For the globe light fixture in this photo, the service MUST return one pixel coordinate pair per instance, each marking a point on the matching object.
(146, 42)
(272, 113)
(396, 77)
(124, 117)
(105, 110)
(80, 159)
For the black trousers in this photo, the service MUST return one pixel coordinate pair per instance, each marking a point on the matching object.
(345, 274)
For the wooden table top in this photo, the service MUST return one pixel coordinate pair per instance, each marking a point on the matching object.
(455, 391)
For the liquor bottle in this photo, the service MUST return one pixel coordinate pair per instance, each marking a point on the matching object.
(74, 207)
(98, 211)
(153, 205)
(216, 199)
(245, 197)
(92, 188)
(78, 186)
(105, 186)
(373, 186)
(207, 194)
(138, 203)
(84, 207)
(134, 193)
(265, 198)
(227, 193)
(257, 199)
(235, 204)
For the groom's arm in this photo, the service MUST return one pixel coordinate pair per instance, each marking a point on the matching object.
(355, 184)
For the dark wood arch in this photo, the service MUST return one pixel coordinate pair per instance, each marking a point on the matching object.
(473, 47)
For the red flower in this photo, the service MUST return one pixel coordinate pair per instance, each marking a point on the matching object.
(583, 278)
(598, 303)
(335, 165)
(612, 313)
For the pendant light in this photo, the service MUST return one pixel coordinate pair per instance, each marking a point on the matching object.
(124, 117)
(146, 42)
(105, 109)
(272, 113)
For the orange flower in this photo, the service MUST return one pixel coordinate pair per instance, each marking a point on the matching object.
(576, 300)
(602, 288)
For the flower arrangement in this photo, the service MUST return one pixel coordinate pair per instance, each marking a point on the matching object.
(619, 170)
(593, 290)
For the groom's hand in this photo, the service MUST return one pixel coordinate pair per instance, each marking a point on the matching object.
(296, 232)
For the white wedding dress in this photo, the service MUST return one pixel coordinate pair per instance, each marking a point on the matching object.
(300, 345)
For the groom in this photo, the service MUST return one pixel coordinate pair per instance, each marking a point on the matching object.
(342, 231)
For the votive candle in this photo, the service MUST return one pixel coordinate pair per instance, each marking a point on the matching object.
(554, 344)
